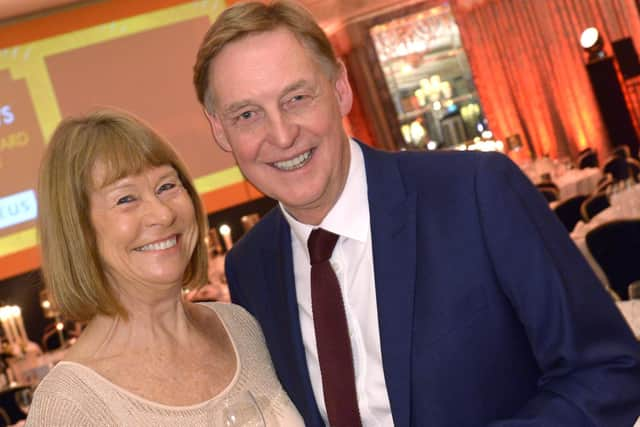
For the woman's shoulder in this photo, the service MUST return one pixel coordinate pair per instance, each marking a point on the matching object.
(69, 395)
(231, 314)
(64, 377)
(256, 372)
(244, 330)
(64, 392)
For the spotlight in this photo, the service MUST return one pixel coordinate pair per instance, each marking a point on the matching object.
(592, 42)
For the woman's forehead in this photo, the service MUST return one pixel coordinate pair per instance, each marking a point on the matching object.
(106, 173)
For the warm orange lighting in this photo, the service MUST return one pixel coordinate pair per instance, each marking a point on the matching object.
(538, 89)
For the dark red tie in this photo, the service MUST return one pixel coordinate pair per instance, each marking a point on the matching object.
(332, 334)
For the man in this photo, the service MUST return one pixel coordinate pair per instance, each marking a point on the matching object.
(465, 301)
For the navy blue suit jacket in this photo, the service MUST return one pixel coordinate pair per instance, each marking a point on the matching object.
(488, 314)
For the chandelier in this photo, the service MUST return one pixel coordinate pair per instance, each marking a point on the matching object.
(414, 34)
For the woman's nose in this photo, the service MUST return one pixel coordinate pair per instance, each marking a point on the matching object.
(159, 212)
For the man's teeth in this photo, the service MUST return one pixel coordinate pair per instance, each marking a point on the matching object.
(295, 163)
(169, 243)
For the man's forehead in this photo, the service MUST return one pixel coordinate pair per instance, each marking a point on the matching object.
(249, 69)
(255, 46)
(277, 35)
(257, 52)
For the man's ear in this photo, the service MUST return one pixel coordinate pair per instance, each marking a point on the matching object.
(343, 89)
(217, 131)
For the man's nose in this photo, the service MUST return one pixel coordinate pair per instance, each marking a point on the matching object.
(283, 131)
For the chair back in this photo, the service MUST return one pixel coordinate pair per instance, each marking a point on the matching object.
(604, 183)
(618, 168)
(549, 194)
(593, 205)
(5, 419)
(548, 184)
(615, 246)
(568, 211)
(634, 168)
(621, 151)
(14, 402)
(549, 190)
(588, 159)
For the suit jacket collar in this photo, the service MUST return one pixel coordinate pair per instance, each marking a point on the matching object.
(392, 216)
(279, 271)
(392, 206)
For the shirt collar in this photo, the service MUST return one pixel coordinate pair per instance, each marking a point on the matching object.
(349, 217)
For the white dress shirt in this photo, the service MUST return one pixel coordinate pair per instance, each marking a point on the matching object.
(352, 261)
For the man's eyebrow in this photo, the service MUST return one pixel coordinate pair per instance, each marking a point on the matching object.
(235, 106)
(239, 105)
(295, 86)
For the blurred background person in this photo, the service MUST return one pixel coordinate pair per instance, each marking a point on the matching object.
(216, 288)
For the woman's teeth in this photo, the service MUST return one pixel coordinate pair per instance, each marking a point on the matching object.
(169, 243)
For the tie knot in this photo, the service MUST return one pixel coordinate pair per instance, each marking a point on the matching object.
(321, 243)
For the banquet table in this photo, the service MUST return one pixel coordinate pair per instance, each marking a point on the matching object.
(570, 182)
(624, 205)
(577, 181)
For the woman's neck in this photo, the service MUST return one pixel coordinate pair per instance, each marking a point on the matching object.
(161, 352)
(153, 324)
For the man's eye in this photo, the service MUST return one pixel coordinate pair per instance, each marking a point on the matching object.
(246, 115)
(125, 199)
(298, 101)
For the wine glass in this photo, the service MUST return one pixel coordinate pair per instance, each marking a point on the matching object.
(240, 410)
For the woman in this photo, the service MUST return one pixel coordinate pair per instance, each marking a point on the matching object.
(122, 232)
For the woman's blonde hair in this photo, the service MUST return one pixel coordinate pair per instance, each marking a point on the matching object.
(244, 19)
(71, 265)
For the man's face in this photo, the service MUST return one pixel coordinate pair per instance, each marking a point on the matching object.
(280, 114)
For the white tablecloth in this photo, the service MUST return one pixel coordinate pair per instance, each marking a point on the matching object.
(578, 181)
(631, 312)
(570, 182)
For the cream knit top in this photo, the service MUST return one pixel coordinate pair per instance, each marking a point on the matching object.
(75, 395)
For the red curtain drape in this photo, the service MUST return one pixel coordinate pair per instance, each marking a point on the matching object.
(530, 71)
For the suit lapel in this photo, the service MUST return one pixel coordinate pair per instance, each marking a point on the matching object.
(292, 367)
(393, 229)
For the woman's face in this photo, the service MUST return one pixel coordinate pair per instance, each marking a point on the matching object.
(145, 227)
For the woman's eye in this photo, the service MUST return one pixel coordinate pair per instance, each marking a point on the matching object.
(125, 199)
(166, 186)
